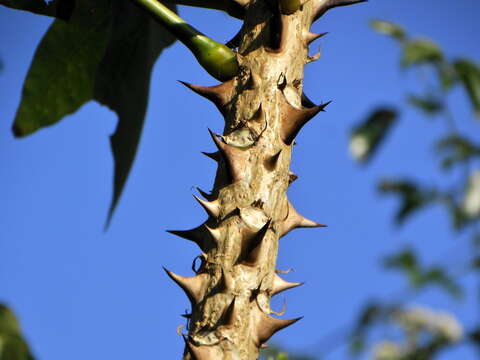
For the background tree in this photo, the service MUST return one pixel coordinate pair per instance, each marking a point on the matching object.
(293, 258)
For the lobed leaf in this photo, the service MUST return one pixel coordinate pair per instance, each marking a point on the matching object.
(105, 53)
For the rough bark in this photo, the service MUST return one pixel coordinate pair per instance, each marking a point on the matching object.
(248, 210)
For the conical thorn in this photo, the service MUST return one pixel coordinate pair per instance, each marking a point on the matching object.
(295, 220)
(192, 286)
(266, 326)
(226, 282)
(311, 37)
(322, 7)
(234, 157)
(231, 314)
(254, 248)
(215, 234)
(211, 207)
(197, 235)
(220, 94)
(206, 195)
(271, 162)
(294, 119)
(280, 285)
(203, 352)
(291, 177)
(216, 156)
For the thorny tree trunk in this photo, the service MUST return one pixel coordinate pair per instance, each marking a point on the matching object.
(264, 108)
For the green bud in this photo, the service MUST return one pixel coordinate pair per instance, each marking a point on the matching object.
(217, 59)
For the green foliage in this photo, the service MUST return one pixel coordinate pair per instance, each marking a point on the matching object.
(420, 51)
(275, 353)
(105, 53)
(429, 104)
(469, 74)
(420, 276)
(412, 198)
(368, 135)
(390, 29)
(12, 344)
(456, 149)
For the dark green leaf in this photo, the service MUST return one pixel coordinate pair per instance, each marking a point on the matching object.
(430, 105)
(421, 51)
(61, 9)
(366, 138)
(406, 261)
(12, 345)
(412, 198)
(446, 74)
(105, 53)
(456, 149)
(123, 82)
(62, 74)
(469, 74)
(388, 28)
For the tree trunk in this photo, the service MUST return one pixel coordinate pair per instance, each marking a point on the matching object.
(264, 109)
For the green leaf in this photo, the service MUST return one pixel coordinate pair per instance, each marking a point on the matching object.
(62, 74)
(105, 53)
(406, 261)
(437, 276)
(61, 9)
(456, 149)
(12, 344)
(366, 137)
(469, 74)
(430, 105)
(412, 198)
(389, 28)
(123, 82)
(421, 51)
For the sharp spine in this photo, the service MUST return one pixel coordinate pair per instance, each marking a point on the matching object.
(311, 37)
(280, 285)
(272, 161)
(294, 119)
(211, 207)
(267, 326)
(233, 156)
(295, 220)
(220, 94)
(254, 249)
(192, 286)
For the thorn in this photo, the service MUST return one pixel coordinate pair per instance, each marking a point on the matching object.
(288, 271)
(291, 177)
(271, 162)
(226, 282)
(311, 37)
(196, 235)
(280, 285)
(295, 220)
(214, 156)
(207, 196)
(283, 24)
(313, 58)
(211, 207)
(258, 114)
(231, 314)
(186, 316)
(220, 94)
(330, 4)
(255, 246)
(192, 286)
(203, 352)
(234, 158)
(294, 119)
(215, 234)
(266, 326)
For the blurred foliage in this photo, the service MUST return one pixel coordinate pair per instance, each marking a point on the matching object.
(273, 352)
(12, 344)
(427, 333)
(368, 135)
(104, 52)
(419, 276)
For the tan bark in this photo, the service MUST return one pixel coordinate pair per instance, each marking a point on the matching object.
(248, 210)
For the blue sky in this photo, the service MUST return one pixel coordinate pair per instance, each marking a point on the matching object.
(82, 293)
